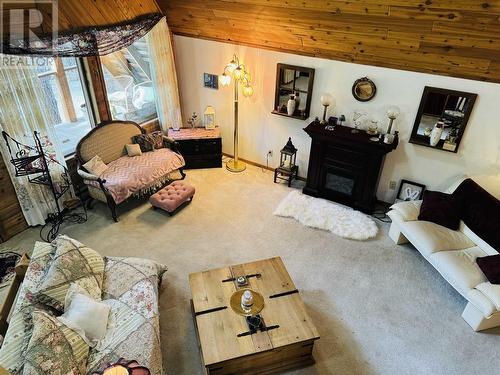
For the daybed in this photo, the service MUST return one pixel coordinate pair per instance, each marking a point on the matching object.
(130, 287)
(453, 254)
(126, 176)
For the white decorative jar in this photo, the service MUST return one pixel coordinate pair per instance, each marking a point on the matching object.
(436, 134)
(290, 107)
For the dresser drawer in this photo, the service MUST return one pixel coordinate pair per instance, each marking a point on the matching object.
(200, 146)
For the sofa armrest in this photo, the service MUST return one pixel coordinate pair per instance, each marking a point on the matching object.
(171, 144)
(87, 175)
(408, 210)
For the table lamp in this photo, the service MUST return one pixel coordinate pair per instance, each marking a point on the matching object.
(326, 101)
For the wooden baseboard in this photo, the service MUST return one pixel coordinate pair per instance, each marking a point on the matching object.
(255, 164)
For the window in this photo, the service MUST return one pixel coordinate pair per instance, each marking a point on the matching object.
(129, 86)
(62, 86)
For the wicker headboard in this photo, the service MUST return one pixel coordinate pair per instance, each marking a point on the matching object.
(107, 140)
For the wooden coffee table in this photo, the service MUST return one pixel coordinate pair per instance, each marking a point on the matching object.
(226, 344)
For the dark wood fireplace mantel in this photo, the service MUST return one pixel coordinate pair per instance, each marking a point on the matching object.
(344, 166)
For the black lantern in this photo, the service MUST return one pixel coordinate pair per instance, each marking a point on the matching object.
(287, 170)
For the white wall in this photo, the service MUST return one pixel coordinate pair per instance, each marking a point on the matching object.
(260, 131)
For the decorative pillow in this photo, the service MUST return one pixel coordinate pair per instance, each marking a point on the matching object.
(480, 212)
(133, 150)
(440, 208)
(73, 263)
(490, 266)
(149, 142)
(95, 166)
(54, 348)
(84, 315)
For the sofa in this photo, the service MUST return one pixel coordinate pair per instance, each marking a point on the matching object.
(453, 254)
(126, 176)
(130, 287)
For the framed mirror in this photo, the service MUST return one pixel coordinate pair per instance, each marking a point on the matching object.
(294, 85)
(364, 89)
(442, 117)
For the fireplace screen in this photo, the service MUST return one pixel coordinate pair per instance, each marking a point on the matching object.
(339, 184)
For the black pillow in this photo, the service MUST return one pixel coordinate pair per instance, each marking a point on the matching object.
(440, 208)
(490, 266)
(480, 211)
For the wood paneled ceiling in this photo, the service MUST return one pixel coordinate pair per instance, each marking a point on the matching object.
(459, 38)
(73, 14)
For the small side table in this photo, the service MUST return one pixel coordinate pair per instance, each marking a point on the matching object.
(200, 147)
(286, 174)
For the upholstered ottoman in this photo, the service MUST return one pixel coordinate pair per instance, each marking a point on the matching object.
(172, 197)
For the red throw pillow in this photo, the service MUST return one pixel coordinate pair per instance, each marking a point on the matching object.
(440, 208)
(490, 266)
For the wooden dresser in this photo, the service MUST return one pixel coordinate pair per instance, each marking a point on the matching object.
(200, 147)
(11, 216)
(344, 166)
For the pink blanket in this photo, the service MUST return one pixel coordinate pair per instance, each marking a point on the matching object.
(127, 176)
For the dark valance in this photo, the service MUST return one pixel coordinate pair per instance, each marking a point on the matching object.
(91, 41)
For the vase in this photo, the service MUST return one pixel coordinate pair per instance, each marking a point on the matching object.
(435, 135)
(290, 107)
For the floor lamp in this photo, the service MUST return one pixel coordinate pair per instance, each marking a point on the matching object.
(240, 75)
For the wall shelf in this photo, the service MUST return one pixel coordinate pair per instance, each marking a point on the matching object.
(303, 118)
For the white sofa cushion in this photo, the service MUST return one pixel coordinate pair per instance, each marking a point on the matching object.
(430, 238)
(409, 210)
(492, 291)
(459, 267)
(482, 302)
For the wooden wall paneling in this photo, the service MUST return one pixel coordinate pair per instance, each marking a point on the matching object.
(98, 88)
(459, 38)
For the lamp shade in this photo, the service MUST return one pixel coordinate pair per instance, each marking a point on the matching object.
(326, 99)
(393, 112)
(247, 90)
(224, 79)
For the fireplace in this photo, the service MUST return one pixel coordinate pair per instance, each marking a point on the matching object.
(344, 166)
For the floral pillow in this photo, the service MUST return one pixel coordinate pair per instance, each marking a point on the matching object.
(54, 348)
(149, 142)
(73, 263)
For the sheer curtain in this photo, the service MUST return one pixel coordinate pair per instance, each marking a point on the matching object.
(164, 76)
(24, 109)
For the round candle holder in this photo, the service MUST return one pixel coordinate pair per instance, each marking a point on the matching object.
(256, 308)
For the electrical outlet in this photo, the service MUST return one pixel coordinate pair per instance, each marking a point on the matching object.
(392, 185)
(270, 153)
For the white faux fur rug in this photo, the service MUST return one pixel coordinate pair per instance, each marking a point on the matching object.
(323, 214)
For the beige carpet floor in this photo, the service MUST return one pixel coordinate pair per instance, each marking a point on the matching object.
(380, 308)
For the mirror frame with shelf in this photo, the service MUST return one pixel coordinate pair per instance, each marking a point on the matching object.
(423, 140)
(281, 68)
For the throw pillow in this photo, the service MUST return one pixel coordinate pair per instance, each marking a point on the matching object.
(480, 212)
(440, 208)
(73, 263)
(133, 150)
(490, 266)
(54, 348)
(149, 142)
(157, 139)
(95, 166)
(85, 315)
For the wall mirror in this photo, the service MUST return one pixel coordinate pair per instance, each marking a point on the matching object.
(294, 85)
(364, 89)
(441, 118)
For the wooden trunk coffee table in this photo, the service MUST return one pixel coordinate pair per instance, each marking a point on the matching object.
(226, 344)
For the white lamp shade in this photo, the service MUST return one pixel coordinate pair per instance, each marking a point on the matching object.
(393, 112)
(326, 99)
(224, 79)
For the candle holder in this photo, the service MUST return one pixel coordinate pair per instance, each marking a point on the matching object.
(326, 101)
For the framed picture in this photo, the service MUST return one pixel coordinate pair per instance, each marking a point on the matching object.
(211, 81)
(409, 191)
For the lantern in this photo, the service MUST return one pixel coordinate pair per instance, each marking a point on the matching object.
(287, 170)
(209, 117)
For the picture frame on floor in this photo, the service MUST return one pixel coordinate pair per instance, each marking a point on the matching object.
(409, 191)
